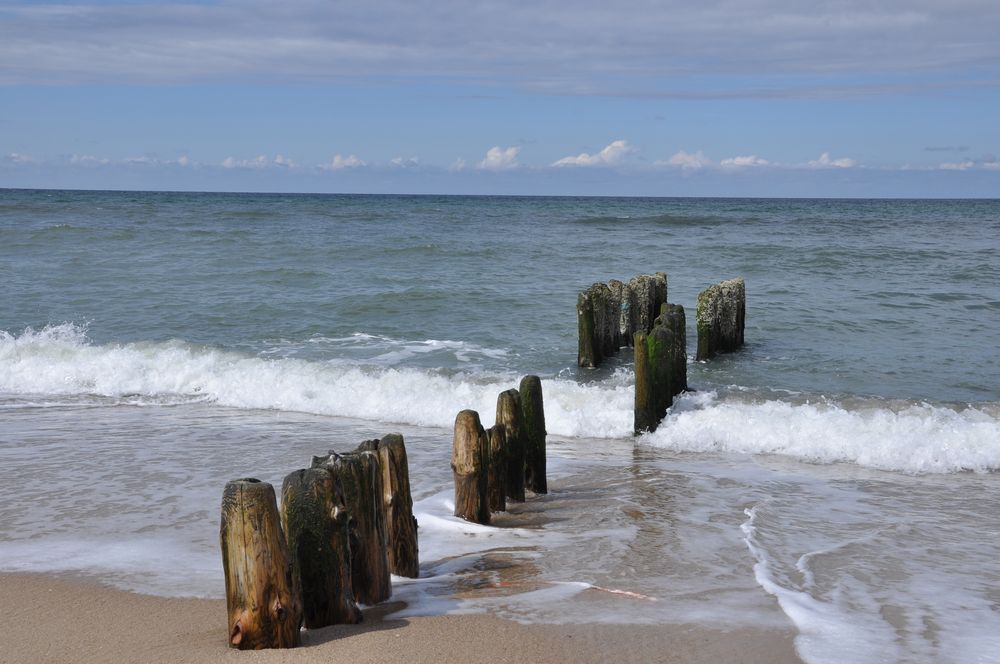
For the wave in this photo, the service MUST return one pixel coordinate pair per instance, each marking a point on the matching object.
(36, 367)
(913, 437)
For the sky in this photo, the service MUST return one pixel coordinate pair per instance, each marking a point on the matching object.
(853, 98)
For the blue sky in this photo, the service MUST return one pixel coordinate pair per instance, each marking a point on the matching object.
(636, 97)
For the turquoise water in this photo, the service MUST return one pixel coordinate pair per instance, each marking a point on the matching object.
(837, 476)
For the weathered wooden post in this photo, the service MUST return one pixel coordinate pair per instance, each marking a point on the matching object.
(360, 478)
(660, 367)
(261, 598)
(672, 316)
(609, 314)
(397, 503)
(533, 418)
(497, 475)
(470, 468)
(720, 315)
(315, 520)
(509, 415)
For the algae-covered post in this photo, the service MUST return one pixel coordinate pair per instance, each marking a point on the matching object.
(497, 474)
(609, 314)
(315, 520)
(261, 598)
(469, 465)
(720, 316)
(509, 416)
(660, 367)
(533, 419)
(360, 478)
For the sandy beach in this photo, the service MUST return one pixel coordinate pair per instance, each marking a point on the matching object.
(55, 619)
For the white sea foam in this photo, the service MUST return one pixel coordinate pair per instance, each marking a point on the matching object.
(913, 437)
(59, 361)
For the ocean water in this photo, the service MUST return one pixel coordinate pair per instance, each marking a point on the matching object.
(836, 476)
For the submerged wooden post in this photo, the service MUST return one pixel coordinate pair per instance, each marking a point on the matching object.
(401, 526)
(509, 415)
(261, 598)
(653, 395)
(497, 475)
(533, 418)
(469, 465)
(360, 478)
(721, 317)
(315, 521)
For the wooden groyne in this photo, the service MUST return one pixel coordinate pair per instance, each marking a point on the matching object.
(609, 314)
(721, 317)
(660, 367)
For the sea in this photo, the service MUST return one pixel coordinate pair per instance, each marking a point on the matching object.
(836, 477)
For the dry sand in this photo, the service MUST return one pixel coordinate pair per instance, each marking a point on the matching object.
(49, 619)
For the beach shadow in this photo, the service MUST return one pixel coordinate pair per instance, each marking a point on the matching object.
(376, 620)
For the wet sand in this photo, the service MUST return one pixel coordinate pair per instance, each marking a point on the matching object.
(51, 619)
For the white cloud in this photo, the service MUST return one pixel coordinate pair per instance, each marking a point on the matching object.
(686, 160)
(957, 166)
(404, 162)
(183, 160)
(340, 162)
(992, 165)
(825, 161)
(457, 165)
(500, 159)
(612, 154)
(232, 162)
(284, 162)
(88, 160)
(743, 162)
(17, 158)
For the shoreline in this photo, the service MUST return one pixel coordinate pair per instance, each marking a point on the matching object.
(55, 619)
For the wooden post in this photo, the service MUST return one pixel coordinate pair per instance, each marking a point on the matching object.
(588, 352)
(261, 598)
(360, 477)
(652, 378)
(509, 416)
(609, 314)
(673, 318)
(497, 474)
(721, 315)
(401, 526)
(469, 465)
(533, 418)
(316, 528)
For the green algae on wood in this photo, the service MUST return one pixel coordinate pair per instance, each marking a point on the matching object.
(360, 478)
(315, 521)
(660, 367)
(609, 314)
(496, 488)
(720, 316)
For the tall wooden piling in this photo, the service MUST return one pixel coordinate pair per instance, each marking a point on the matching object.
(509, 415)
(315, 522)
(360, 477)
(533, 418)
(470, 468)
(660, 367)
(397, 503)
(496, 488)
(261, 599)
(721, 318)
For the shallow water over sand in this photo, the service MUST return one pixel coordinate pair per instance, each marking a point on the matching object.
(628, 534)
